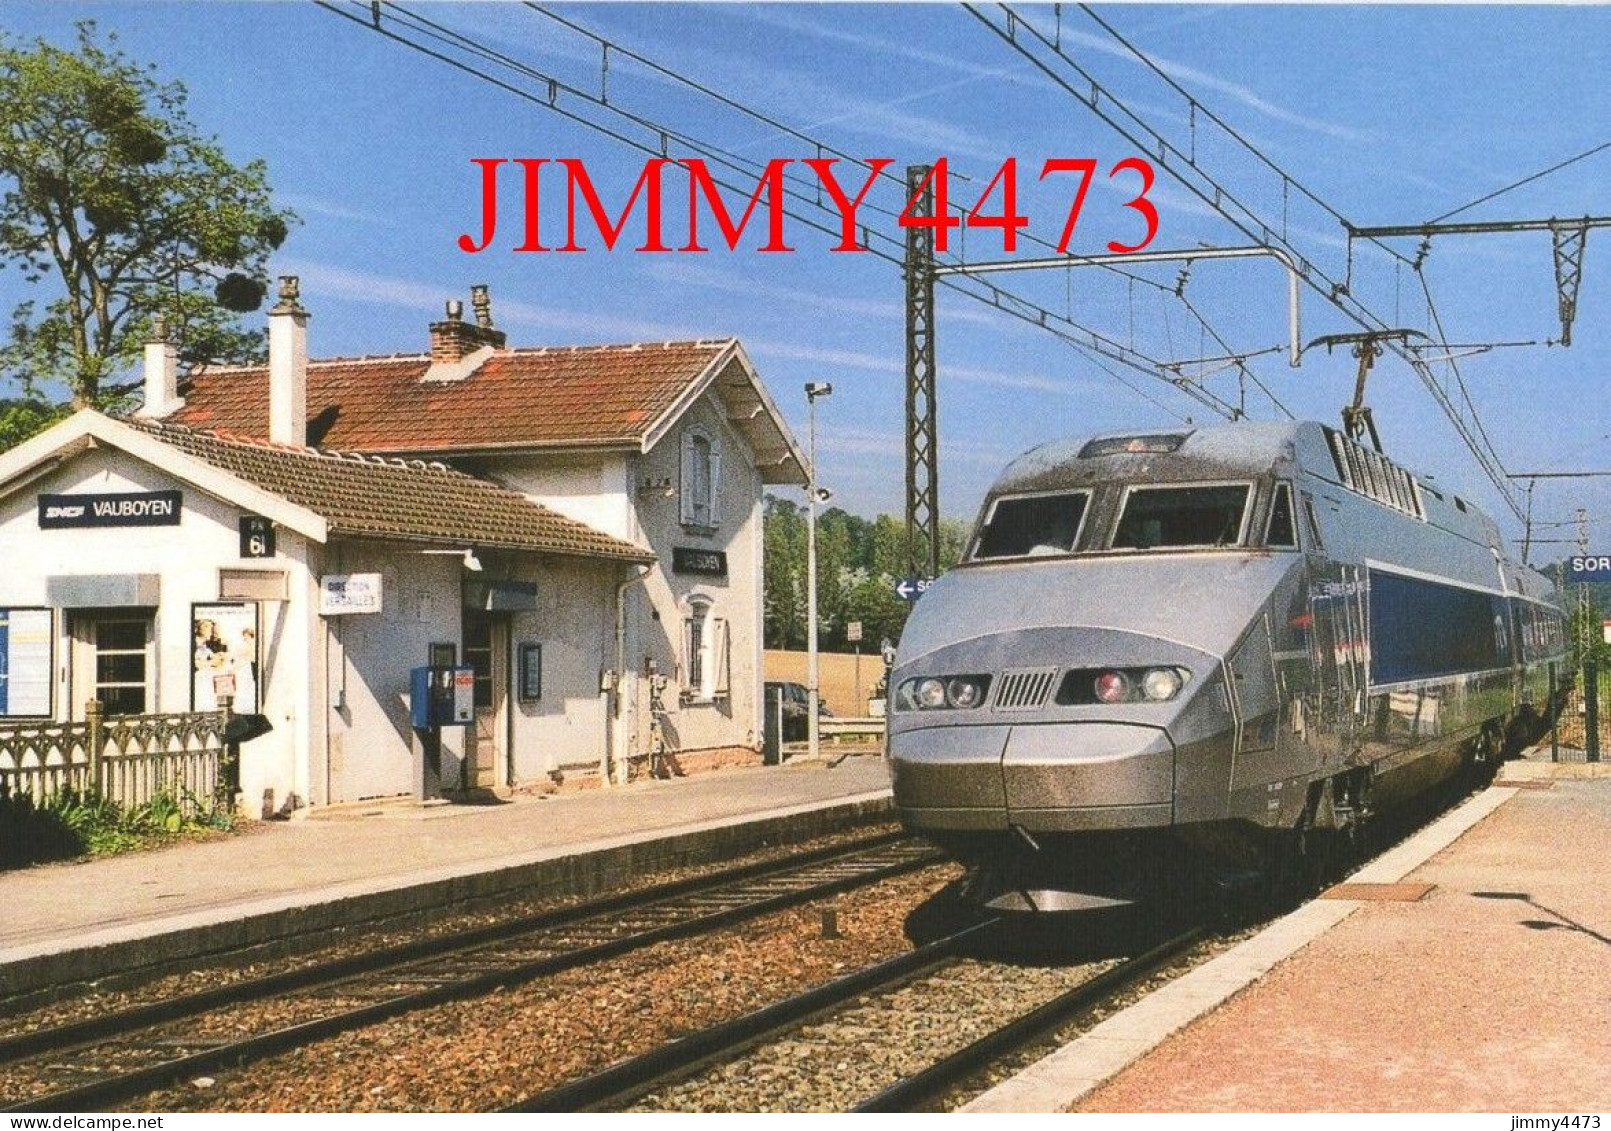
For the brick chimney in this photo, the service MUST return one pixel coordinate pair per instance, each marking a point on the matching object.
(161, 373)
(288, 366)
(458, 347)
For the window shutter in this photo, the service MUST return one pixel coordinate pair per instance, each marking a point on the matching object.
(689, 477)
(715, 484)
(723, 659)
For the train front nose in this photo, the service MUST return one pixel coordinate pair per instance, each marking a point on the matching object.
(1042, 753)
(1041, 777)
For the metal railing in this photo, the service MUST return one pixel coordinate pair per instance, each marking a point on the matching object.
(129, 759)
(1582, 729)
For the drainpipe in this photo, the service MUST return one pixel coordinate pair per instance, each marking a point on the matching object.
(613, 724)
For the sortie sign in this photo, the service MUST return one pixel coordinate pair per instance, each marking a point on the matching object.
(141, 508)
(1589, 567)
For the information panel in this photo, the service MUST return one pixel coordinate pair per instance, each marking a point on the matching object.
(26, 653)
(224, 657)
(1588, 567)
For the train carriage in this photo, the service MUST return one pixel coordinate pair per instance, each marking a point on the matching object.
(1174, 652)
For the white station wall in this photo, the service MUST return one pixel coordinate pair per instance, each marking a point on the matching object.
(186, 559)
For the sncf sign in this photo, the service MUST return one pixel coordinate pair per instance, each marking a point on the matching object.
(141, 508)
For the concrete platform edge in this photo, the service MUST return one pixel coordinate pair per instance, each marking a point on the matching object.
(567, 870)
(1062, 1078)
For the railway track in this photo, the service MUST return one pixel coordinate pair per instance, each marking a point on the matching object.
(89, 1063)
(665, 1068)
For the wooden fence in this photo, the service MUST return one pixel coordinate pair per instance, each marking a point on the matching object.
(129, 759)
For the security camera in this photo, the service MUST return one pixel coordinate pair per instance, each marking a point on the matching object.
(815, 389)
(824, 494)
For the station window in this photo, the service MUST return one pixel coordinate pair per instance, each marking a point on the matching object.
(122, 659)
(704, 653)
(701, 478)
(478, 654)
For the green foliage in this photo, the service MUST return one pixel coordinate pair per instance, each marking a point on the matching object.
(116, 209)
(1586, 633)
(21, 419)
(858, 563)
(71, 823)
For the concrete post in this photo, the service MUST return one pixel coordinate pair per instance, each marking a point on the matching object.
(95, 717)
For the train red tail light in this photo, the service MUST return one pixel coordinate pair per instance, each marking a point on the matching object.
(1112, 687)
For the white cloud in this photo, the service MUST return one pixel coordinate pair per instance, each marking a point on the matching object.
(684, 272)
(315, 206)
(426, 299)
(868, 442)
(1188, 75)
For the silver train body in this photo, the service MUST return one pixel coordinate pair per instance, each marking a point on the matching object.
(1336, 632)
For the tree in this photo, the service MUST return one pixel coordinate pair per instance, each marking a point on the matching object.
(112, 195)
(858, 565)
(20, 419)
(783, 535)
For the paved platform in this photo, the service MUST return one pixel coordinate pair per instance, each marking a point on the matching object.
(1476, 980)
(71, 922)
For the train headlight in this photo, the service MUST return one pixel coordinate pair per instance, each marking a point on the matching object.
(1115, 686)
(934, 693)
(964, 691)
(1112, 687)
(1160, 684)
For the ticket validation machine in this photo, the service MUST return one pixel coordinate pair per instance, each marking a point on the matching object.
(439, 697)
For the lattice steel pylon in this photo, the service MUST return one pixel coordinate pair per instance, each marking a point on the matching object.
(1569, 243)
(922, 447)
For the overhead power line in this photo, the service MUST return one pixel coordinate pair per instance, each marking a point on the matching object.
(1049, 57)
(608, 45)
(473, 57)
(1604, 145)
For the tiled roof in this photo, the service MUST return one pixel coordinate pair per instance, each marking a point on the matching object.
(584, 395)
(367, 496)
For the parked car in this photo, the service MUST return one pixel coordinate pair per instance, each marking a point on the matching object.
(796, 708)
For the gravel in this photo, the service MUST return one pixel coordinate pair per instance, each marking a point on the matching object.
(834, 1064)
(228, 969)
(493, 1051)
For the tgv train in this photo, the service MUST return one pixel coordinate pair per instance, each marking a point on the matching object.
(1185, 652)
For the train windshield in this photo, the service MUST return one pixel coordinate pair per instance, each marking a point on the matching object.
(1032, 525)
(1156, 517)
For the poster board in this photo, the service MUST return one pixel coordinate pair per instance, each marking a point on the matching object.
(27, 659)
(224, 642)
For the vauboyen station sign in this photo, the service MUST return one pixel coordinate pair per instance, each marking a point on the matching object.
(1589, 568)
(142, 508)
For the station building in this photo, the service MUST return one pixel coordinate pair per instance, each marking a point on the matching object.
(582, 527)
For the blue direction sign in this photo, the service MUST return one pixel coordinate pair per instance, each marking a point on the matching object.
(1589, 568)
(911, 588)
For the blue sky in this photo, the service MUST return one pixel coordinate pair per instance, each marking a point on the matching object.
(1390, 114)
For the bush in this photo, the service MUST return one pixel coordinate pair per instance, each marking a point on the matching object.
(72, 823)
(30, 835)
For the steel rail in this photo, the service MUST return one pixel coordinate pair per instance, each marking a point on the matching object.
(17, 1045)
(628, 1080)
(448, 987)
(944, 1074)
